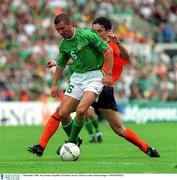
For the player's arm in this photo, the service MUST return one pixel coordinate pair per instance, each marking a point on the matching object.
(103, 47)
(52, 63)
(123, 51)
(61, 64)
(57, 75)
(108, 54)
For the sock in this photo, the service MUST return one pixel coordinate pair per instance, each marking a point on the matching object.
(67, 127)
(95, 124)
(49, 129)
(88, 125)
(133, 138)
(76, 128)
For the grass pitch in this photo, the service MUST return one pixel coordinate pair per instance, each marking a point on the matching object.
(114, 155)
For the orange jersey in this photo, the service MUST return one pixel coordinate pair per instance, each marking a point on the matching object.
(118, 63)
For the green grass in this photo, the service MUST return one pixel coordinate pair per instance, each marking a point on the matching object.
(114, 155)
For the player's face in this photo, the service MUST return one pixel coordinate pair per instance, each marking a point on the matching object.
(65, 30)
(101, 31)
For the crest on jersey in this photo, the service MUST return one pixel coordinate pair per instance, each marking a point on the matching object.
(79, 47)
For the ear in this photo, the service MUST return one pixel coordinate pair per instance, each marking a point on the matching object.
(108, 31)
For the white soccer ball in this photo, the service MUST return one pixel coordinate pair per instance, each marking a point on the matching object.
(69, 152)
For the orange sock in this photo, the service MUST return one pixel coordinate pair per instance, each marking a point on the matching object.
(49, 129)
(133, 138)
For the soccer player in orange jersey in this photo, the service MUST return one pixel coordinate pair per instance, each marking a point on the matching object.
(106, 102)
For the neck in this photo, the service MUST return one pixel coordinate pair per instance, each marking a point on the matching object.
(73, 33)
(107, 39)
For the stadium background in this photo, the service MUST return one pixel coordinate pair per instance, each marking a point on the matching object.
(148, 28)
(146, 91)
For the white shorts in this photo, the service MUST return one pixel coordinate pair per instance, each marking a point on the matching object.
(81, 82)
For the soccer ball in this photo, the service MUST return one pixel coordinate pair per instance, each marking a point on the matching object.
(69, 152)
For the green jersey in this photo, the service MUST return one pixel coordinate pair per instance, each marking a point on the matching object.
(70, 71)
(85, 49)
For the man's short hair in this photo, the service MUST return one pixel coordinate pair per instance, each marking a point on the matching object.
(62, 17)
(106, 23)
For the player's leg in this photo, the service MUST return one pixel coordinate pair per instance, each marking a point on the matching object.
(86, 101)
(89, 127)
(53, 123)
(86, 91)
(65, 109)
(94, 123)
(107, 107)
(49, 129)
(118, 127)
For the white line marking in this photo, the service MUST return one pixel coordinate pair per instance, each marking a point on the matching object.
(106, 163)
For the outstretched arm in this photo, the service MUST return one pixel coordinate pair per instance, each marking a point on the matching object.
(123, 51)
(52, 63)
(57, 75)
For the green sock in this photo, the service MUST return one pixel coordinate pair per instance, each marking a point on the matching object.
(88, 125)
(95, 124)
(76, 128)
(67, 127)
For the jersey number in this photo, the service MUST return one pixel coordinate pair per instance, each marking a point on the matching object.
(73, 55)
(70, 88)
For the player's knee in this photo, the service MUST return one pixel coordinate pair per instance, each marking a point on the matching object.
(80, 111)
(63, 113)
(58, 109)
(89, 116)
(66, 119)
(120, 131)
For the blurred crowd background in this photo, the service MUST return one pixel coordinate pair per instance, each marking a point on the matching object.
(28, 40)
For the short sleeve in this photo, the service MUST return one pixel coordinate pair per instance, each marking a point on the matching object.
(62, 59)
(96, 41)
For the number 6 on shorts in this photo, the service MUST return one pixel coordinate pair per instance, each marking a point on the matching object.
(69, 89)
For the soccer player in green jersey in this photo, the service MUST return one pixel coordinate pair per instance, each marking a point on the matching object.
(87, 50)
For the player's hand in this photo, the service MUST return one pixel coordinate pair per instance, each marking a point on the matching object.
(107, 80)
(113, 37)
(54, 91)
(51, 63)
